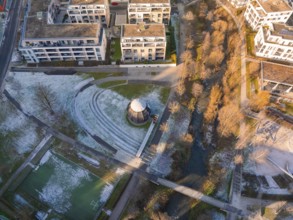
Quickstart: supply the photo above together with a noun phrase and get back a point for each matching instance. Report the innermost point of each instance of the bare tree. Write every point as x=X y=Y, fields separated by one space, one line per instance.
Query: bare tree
x=164 y=127
x=174 y=107
x=216 y=57
x=186 y=57
x=206 y=45
x=180 y=88
x=238 y=159
x=218 y=38
x=197 y=89
x=45 y=98
x=229 y=120
x=191 y=104
x=215 y=99
x=189 y=16
x=189 y=43
x=259 y=101
x=187 y=138
x=220 y=25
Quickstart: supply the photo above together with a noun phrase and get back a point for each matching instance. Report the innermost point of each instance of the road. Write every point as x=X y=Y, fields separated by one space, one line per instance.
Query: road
x=9 y=39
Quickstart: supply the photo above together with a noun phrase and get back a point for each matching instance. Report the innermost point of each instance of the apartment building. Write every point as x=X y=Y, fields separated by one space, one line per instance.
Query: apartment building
x=151 y=11
x=140 y=42
x=89 y=11
x=42 y=41
x=262 y=12
x=275 y=41
x=238 y=3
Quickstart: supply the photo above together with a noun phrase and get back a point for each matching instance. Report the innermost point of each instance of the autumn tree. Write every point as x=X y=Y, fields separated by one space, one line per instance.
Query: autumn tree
x=174 y=107
x=259 y=101
x=229 y=120
x=186 y=57
x=197 y=89
x=216 y=57
x=220 y=25
x=191 y=104
x=206 y=44
x=218 y=38
x=180 y=88
x=215 y=99
x=164 y=127
x=189 y=43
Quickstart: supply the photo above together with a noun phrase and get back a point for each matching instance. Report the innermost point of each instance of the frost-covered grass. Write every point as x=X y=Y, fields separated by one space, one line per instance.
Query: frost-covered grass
x=18 y=137
x=113 y=107
x=66 y=188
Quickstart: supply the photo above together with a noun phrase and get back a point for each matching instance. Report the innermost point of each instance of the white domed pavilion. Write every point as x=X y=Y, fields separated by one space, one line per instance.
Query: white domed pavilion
x=138 y=112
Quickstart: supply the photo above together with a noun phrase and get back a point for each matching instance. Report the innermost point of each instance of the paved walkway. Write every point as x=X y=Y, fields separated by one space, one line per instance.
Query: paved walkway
x=120 y=206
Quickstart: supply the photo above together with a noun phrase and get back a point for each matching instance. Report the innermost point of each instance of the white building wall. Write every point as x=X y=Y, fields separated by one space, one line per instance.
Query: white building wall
x=143 y=48
x=256 y=16
x=34 y=51
x=238 y=3
x=273 y=47
x=89 y=13
x=149 y=13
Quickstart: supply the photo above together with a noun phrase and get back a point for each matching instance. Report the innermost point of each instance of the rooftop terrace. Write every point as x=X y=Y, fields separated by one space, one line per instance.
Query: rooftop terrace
x=149 y=1
x=40 y=29
x=274 y=5
x=143 y=30
x=87 y=2
x=283 y=31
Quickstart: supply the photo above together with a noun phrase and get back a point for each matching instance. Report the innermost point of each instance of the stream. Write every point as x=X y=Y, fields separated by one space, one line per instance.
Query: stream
x=178 y=205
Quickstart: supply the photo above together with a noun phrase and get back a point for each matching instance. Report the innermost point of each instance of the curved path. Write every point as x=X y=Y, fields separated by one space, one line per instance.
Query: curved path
x=123 y=141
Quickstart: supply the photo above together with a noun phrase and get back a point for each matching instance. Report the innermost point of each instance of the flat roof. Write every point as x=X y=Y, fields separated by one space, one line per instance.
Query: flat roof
x=274 y=5
x=143 y=30
x=40 y=29
x=120 y=19
x=283 y=31
x=86 y=2
x=149 y=1
x=39 y=6
x=278 y=73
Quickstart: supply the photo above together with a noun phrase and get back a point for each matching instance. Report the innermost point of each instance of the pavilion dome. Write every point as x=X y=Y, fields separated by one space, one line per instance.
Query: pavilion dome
x=138 y=111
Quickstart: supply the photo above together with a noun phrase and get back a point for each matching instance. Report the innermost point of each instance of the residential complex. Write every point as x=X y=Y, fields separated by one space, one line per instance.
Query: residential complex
x=238 y=3
x=275 y=41
x=140 y=42
x=42 y=40
x=262 y=12
x=89 y=11
x=151 y=11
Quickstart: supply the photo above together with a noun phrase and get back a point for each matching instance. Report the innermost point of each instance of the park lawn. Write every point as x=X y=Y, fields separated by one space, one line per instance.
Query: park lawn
x=99 y=75
x=117 y=49
x=112 y=83
x=132 y=91
x=65 y=187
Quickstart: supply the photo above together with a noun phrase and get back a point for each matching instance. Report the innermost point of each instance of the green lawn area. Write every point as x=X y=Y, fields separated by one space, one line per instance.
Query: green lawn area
x=269 y=213
x=117 y=49
x=171 y=44
x=289 y=108
x=65 y=187
x=132 y=91
x=250 y=43
x=111 y=83
x=99 y=75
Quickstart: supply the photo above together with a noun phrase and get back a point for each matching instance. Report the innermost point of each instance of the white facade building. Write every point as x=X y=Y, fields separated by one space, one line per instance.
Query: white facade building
x=89 y=11
x=42 y=41
x=140 y=42
x=150 y=11
x=262 y=12
x=238 y=3
x=275 y=41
